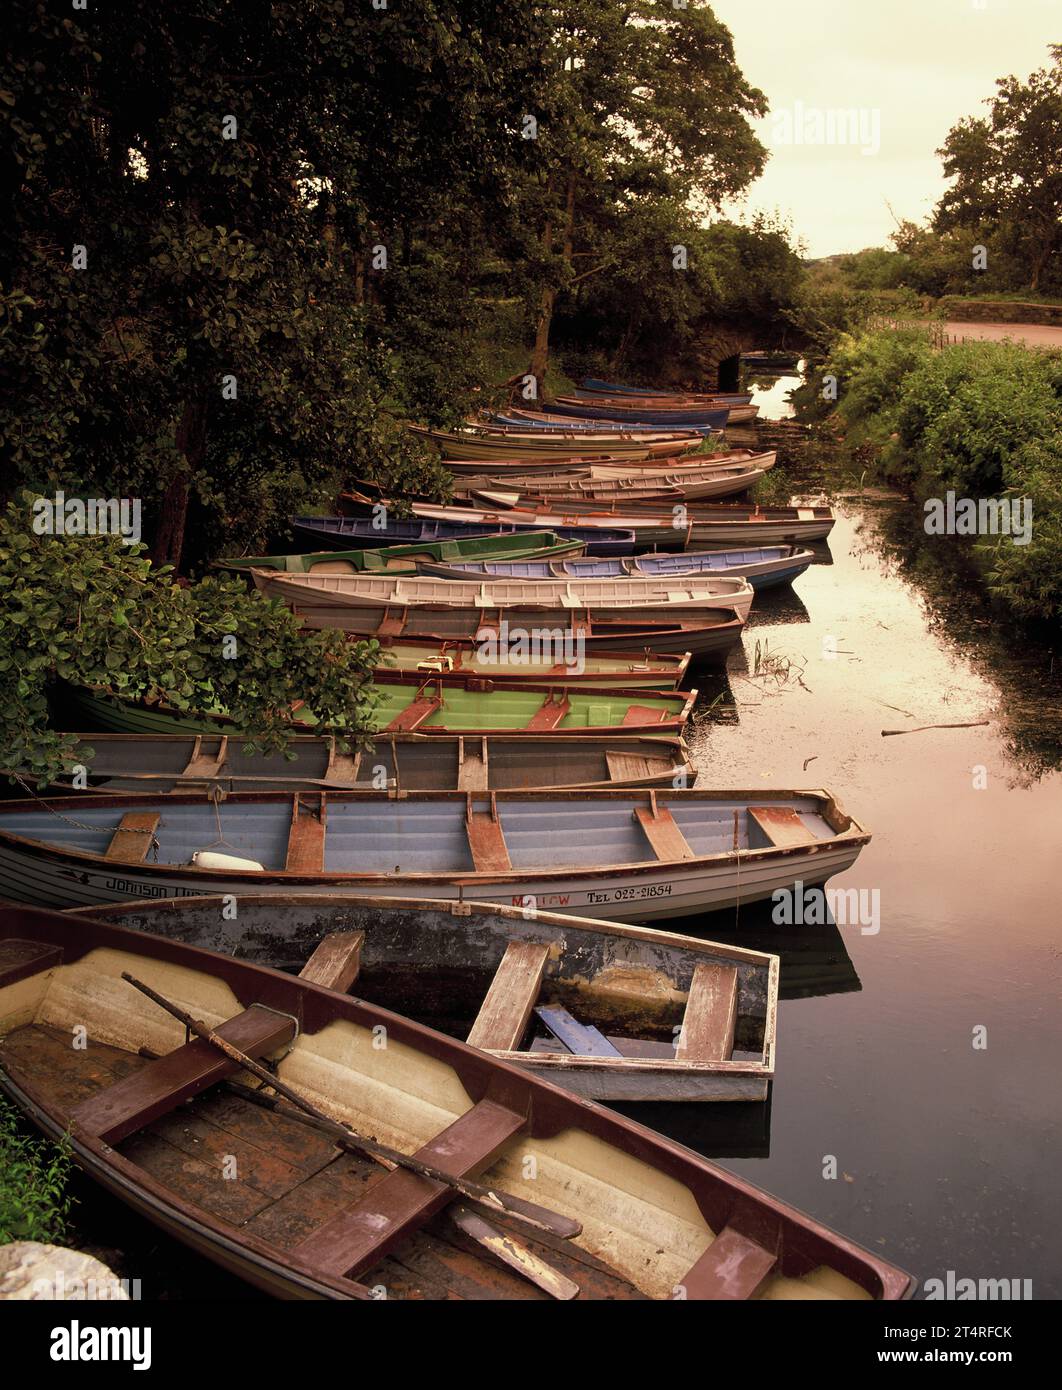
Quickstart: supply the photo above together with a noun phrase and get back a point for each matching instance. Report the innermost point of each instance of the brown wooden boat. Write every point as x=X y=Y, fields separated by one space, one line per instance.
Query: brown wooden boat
x=502 y=1185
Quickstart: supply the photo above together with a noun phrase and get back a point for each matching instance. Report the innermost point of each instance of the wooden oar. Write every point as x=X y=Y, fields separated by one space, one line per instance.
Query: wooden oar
x=540 y=1217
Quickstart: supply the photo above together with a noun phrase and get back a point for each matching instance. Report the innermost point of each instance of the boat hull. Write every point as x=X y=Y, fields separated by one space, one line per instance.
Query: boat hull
x=45 y=873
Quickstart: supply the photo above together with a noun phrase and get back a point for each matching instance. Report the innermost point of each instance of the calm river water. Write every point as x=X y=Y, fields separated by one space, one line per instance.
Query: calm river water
x=946 y=1153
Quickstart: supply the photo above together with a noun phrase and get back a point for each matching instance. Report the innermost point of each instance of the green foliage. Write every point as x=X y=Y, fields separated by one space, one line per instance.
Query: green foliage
x=978 y=419
x=1006 y=173
x=95 y=612
x=249 y=258
x=1029 y=577
x=34 y=1204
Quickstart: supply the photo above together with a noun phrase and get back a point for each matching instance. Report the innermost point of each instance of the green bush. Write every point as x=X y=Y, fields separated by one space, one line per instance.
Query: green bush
x=34 y=1204
x=979 y=419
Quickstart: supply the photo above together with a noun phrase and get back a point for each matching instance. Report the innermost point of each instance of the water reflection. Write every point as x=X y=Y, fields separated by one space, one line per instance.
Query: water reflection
x=1019 y=662
x=733 y=1130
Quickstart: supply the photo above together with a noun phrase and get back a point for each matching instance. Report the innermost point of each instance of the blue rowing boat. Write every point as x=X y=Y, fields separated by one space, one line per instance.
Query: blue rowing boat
x=764 y=566
x=591 y=386
x=675 y=418
x=359 y=533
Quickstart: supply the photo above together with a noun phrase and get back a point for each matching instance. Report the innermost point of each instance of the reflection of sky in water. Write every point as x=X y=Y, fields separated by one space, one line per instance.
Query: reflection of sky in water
x=772 y=394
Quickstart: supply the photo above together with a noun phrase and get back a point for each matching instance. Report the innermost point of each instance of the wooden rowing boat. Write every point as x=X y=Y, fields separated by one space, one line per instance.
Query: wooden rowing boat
x=410 y=762
x=423 y=1168
x=403 y=559
x=516 y=637
x=709 y=417
x=426 y=704
x=764 y=567
x=611 y=485
x=458 y=661
x=684 y=526
x=366 y=532
x=738 y=412
x=590 y=387
x=594 y=1006
x=749 y=458
x=470 y=443
x=643 y=855
x=707 y=592
x=552 y=424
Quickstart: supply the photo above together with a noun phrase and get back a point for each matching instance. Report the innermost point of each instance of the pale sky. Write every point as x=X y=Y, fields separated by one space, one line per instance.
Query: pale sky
x=910 y=68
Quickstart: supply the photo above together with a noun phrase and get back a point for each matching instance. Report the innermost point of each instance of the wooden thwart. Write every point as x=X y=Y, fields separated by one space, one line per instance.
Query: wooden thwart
x=342 y=767
x=550 y=714
x=486 y=843
x=473 y=766
x=707 y=1033
x=414 y=715
x=306 y=837
x=642 y=714
x=733 y=1267
x=336 y=961
x=665 y=837
x=206 y=763
x=132 y=839
x=782 y=826
x=361 y=1236
x=21 y=959
x=160 y=1087
x=507 y=1005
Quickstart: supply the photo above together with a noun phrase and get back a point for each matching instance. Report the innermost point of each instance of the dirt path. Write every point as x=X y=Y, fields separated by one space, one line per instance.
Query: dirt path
x=1031 y=334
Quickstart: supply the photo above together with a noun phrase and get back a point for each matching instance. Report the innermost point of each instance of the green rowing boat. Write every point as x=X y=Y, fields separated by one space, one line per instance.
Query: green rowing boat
x=413 y=704
x=403 y=559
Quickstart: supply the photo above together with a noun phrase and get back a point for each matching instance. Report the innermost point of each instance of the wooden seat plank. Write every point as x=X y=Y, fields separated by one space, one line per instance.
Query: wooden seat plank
x=306 y=837
x=707 y=1033
x=336 y=961
x=160 y=1086
x=663 y=834
x=21 y=959
x=358 y=1238
x=782 y=826
x=626 y=767
x=473 y=769
x=414 y=715
x=486 y=842
x=733 y=1267
x=642 y=714
x=208 y=762
x=131 y=842
x=342 y=768
x=581 y=1039
x=507 y=1005
x=549 y=714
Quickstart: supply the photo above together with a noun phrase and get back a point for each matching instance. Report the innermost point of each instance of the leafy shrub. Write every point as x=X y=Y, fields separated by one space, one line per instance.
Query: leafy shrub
x=34 y=1204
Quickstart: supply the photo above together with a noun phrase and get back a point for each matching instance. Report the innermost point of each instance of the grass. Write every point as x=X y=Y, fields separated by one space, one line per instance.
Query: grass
x=34 y=1204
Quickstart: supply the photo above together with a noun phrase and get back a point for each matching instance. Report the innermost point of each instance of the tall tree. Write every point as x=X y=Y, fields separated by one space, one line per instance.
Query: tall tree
x=640 y=103
x=198 y=198
x=1007 y=168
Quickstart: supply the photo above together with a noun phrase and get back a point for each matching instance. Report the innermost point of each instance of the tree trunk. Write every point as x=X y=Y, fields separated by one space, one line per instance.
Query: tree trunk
x=540 y=353
x=173 y=513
